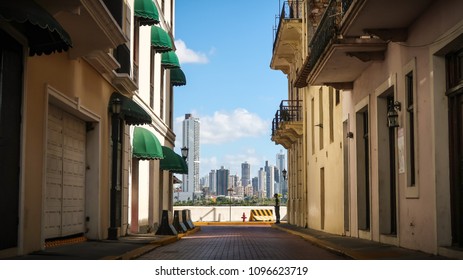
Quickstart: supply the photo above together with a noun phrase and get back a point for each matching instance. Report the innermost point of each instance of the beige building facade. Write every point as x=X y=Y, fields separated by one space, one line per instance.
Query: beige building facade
x=69 y=108
x=308 y=125
x=397 y=126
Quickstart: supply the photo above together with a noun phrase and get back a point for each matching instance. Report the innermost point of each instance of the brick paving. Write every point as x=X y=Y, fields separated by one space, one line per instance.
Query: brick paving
x=241 y=243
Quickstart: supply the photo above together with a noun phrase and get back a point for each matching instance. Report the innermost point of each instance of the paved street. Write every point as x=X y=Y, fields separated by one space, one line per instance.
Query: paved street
x=241 y=243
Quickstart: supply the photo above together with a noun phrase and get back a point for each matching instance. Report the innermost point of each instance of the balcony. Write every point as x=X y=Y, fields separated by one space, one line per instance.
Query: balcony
x=287 y=38
x=351 y=35
x=287 y=125
x=89 y=23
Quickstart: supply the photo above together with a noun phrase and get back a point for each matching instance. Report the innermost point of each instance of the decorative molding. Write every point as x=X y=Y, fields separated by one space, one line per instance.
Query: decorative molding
x=102 y=61
x=124 y=83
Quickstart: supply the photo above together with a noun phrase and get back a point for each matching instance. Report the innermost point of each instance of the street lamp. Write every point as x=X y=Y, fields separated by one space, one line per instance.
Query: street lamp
x=184 y=153
x=284 y=173
x=115 y=192
x=185 y=156
x=230 y=190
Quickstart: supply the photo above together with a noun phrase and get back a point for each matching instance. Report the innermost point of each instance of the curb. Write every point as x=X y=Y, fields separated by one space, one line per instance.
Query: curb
x=232 y=223
x=320 y=243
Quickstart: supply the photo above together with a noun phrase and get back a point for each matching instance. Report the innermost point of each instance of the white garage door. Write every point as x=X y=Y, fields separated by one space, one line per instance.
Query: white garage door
x=65 y=190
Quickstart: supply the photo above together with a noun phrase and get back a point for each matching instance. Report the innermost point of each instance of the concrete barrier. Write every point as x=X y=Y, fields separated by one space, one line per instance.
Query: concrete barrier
x=224 y=213
x=186 y=215
x=178 y=222
x=166 y=227
x=261 y=215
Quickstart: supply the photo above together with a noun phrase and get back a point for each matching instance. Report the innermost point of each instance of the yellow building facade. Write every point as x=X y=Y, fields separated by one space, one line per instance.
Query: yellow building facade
x=309 y=126
x=70 y=104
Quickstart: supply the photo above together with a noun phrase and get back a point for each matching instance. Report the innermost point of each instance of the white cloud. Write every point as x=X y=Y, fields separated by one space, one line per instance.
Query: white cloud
x=186 y=55
x=223 y=127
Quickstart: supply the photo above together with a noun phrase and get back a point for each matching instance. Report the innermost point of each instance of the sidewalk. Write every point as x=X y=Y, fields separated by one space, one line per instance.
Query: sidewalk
x=356 y=248
x=126 y=248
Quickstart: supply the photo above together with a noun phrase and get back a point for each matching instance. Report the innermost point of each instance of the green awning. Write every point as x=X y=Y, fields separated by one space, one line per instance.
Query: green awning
x=177 y=77
x=160 y=40
x=147 y=12
x=170 y=60
x=173 y=162
x=44 y=34
x=131 y=112
x=145 y=145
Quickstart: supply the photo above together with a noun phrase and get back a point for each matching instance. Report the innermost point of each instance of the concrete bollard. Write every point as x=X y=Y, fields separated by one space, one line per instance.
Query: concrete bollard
x=178 y=222
x=186 y=214
x=166 y=227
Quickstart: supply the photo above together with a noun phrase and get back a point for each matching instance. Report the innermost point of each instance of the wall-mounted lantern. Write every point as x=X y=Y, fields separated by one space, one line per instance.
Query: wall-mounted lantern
x=116 y=106
x=392 y=115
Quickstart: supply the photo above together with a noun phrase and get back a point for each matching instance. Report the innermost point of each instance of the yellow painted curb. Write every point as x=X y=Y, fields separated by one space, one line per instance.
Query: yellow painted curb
x=232 y=223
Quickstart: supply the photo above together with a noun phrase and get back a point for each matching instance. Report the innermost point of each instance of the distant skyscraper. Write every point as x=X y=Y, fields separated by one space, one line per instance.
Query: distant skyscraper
x=281 y=165
x=213 y=182
x=191 y=141
x=245 y=174
x=270 y=183
x=262 y=182
x=255 y=186
x=222 y=181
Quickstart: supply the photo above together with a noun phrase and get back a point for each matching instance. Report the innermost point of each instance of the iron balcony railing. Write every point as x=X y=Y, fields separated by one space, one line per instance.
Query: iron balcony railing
x=289 y=10
x=289 y=111
x=328 y=29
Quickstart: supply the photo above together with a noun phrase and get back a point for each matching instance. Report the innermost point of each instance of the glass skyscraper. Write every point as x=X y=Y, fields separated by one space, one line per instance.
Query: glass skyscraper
x=191 y=127
x=245 y=174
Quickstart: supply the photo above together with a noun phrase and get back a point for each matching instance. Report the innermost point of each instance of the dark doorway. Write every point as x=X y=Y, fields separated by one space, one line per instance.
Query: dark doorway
x=455 y=96
x=363 y=170
x=11 y=73
x=392 y=173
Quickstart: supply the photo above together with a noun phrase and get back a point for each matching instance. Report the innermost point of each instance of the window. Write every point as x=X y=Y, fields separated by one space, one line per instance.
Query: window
x=152 y=72
x=136 y=43
x=331 y=112
x=363 y=169
x=312 y=119
x=127 y=21
x=320 y=117
x=410 y=141
x=162 y=93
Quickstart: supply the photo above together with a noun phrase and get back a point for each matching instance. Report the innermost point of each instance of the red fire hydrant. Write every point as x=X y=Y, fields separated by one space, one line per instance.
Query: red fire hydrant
x=244 y=217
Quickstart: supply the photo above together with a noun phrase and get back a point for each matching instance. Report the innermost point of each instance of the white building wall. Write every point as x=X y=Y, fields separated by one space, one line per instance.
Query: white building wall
x=154 y=186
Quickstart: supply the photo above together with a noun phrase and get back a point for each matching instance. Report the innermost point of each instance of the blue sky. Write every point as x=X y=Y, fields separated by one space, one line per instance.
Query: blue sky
x=225 y=48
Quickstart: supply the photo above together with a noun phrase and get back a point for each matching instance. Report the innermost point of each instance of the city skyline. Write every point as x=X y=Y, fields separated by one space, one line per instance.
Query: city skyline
x=236 y=110
x=254 y=169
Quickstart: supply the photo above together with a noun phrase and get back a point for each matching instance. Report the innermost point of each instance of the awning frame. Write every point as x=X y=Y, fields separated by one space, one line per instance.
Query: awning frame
x=131 y=112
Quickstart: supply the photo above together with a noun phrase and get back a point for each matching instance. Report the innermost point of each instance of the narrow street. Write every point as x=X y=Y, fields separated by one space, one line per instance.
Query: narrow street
x=241 y=243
